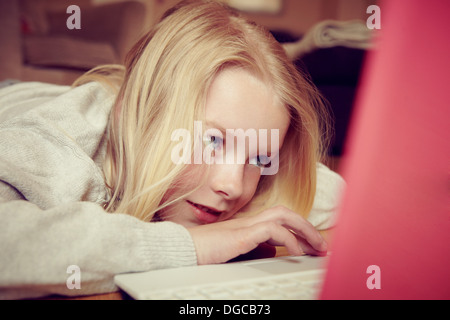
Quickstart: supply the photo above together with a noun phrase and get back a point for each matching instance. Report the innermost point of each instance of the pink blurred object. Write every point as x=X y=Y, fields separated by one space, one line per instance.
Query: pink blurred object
x=395 y=213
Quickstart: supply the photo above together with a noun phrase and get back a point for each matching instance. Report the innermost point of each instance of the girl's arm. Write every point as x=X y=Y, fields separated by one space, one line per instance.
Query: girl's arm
x=38 y=246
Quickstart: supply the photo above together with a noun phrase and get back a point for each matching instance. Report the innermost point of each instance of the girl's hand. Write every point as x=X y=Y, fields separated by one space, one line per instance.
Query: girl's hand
x=278 y=226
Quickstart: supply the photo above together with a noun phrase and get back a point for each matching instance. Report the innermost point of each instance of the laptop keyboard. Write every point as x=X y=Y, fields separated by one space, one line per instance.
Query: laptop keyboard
x=294 y=286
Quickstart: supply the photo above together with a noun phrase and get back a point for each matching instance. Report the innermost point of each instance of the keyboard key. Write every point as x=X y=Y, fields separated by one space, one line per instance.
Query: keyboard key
x=261 y=286
x=299 y=296
x=286 y=287
x=190 y=295
x=241 y=290
x=286 y=283
x=216 y=293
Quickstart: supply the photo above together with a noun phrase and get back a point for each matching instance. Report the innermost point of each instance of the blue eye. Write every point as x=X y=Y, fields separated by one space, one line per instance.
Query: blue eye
x=260 y=161
x=215 y=142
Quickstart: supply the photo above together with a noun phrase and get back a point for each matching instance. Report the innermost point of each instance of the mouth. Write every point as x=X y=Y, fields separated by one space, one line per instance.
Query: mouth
x=203 y=213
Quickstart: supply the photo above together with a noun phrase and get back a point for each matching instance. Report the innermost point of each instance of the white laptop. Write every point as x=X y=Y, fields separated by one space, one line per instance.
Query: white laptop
x=280 y=278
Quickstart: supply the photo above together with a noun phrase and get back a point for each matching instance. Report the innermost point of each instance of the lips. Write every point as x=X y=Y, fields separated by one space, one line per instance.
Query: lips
x=203 y=213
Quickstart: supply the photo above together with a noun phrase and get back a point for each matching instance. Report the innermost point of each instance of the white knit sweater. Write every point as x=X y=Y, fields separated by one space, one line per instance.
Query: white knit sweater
x=52 y=144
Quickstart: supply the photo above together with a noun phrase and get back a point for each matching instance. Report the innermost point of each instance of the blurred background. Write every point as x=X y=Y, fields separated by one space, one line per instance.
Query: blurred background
x=36 y=45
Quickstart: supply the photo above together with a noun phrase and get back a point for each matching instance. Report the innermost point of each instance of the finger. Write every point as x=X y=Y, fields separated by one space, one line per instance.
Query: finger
x=298 y=225
x=308 y=249
x=275 y=235
x=313 y=239
x=302 y=228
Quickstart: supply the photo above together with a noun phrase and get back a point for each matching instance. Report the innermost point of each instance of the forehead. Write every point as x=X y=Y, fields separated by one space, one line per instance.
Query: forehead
x=239 y=100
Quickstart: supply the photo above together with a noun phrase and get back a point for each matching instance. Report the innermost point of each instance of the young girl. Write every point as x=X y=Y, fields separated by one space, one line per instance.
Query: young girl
x=87 y=177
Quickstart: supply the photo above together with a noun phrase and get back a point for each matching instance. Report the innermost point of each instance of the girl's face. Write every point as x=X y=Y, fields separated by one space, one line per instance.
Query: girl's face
x=236 y=100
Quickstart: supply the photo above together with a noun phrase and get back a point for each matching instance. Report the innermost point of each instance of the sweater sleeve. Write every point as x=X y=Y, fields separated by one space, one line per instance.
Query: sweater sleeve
x=52 y=140
x=329 y=189
x=38 y=246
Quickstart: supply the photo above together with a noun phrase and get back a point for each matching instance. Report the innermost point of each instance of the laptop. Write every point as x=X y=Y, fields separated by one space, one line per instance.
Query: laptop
x=269 y=279
x=392 y=239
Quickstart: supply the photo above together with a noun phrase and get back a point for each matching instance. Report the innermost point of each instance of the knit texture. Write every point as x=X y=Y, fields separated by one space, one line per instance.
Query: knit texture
x=52 y=142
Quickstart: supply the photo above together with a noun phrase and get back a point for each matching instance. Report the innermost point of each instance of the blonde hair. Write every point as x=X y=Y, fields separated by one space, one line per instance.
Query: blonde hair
x=164 y=86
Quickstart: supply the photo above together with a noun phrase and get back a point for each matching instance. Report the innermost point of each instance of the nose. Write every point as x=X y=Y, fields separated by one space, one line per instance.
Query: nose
x=228 y=180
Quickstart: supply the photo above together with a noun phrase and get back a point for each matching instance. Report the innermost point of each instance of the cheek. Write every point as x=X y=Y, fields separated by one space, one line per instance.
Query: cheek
x=189 y=179
x=251 y=180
